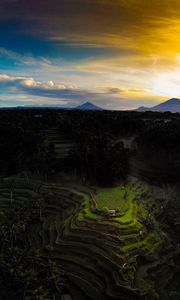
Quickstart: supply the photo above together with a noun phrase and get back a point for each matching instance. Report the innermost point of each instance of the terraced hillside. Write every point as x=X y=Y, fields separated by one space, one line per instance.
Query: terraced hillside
x=62 y=144
x=103 y=257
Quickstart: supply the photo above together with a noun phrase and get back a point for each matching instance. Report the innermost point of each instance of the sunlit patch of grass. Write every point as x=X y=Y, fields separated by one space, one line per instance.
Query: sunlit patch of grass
x=112 y=198
x=86 y=211
x=149 y=244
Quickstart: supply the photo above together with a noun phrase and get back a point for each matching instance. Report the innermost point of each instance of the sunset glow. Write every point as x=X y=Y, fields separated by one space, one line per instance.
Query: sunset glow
x=118 y=54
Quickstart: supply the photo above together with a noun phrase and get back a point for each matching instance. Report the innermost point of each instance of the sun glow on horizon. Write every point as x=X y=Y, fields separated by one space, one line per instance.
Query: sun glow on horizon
x=167 y=84
x=64 y=51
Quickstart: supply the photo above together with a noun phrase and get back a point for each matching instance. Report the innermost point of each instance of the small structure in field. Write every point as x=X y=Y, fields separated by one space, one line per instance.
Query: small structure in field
x=112 y=213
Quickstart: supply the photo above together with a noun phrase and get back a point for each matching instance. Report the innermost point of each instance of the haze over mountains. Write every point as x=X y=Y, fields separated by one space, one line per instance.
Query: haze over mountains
x=83 y=107
x=172 y=105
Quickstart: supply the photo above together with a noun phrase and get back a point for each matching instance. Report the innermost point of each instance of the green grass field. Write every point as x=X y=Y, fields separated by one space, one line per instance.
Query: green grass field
x=117 y=198
x=92 y=247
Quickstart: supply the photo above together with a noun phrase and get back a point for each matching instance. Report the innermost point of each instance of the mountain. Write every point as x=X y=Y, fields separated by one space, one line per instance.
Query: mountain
x=88 y=106
x=142 y=109
x=172 y=105
x=84 y=106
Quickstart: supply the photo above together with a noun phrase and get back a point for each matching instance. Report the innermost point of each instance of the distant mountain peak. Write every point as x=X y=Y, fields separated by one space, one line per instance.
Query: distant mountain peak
x=87 y=103
x=172 y=100
x=88 y=106
x=142 y=108
x=172 y=105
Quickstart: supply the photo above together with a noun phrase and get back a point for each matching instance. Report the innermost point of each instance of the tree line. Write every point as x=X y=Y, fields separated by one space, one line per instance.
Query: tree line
x=99 y=153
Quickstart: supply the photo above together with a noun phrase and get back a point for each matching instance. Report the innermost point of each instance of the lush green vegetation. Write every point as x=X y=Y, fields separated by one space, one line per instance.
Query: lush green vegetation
x=25 y=272
x=112 y=198
x=73 y=168
x=85 y=247
x=67 y=228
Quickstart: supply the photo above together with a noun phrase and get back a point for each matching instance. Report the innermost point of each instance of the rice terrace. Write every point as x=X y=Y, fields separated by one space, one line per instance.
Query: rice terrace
x=102 y=257
x=89 y=149
x=82 y=215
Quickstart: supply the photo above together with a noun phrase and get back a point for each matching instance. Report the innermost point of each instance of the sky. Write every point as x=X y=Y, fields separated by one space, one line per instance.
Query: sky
x=118 y=54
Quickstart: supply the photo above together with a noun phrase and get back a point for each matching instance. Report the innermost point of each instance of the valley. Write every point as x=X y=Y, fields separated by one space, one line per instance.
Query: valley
x=126 y=256
x=89 y=205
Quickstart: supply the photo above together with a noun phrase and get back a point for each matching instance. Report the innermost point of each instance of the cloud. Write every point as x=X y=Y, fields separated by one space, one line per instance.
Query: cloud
x=27 y=60
x=51 y=89
x=136 y=25
x=31 y=86
x=48 y=89
x=30 y=83
x=115 y=23
x=106 y=51
x=27 y=90
x=114 y=90
x=138 y=30
x=123 y=91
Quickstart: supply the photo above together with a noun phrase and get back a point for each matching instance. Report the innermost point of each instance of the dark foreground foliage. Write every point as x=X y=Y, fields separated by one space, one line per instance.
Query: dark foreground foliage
x=25 y=273
x=107 y=146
